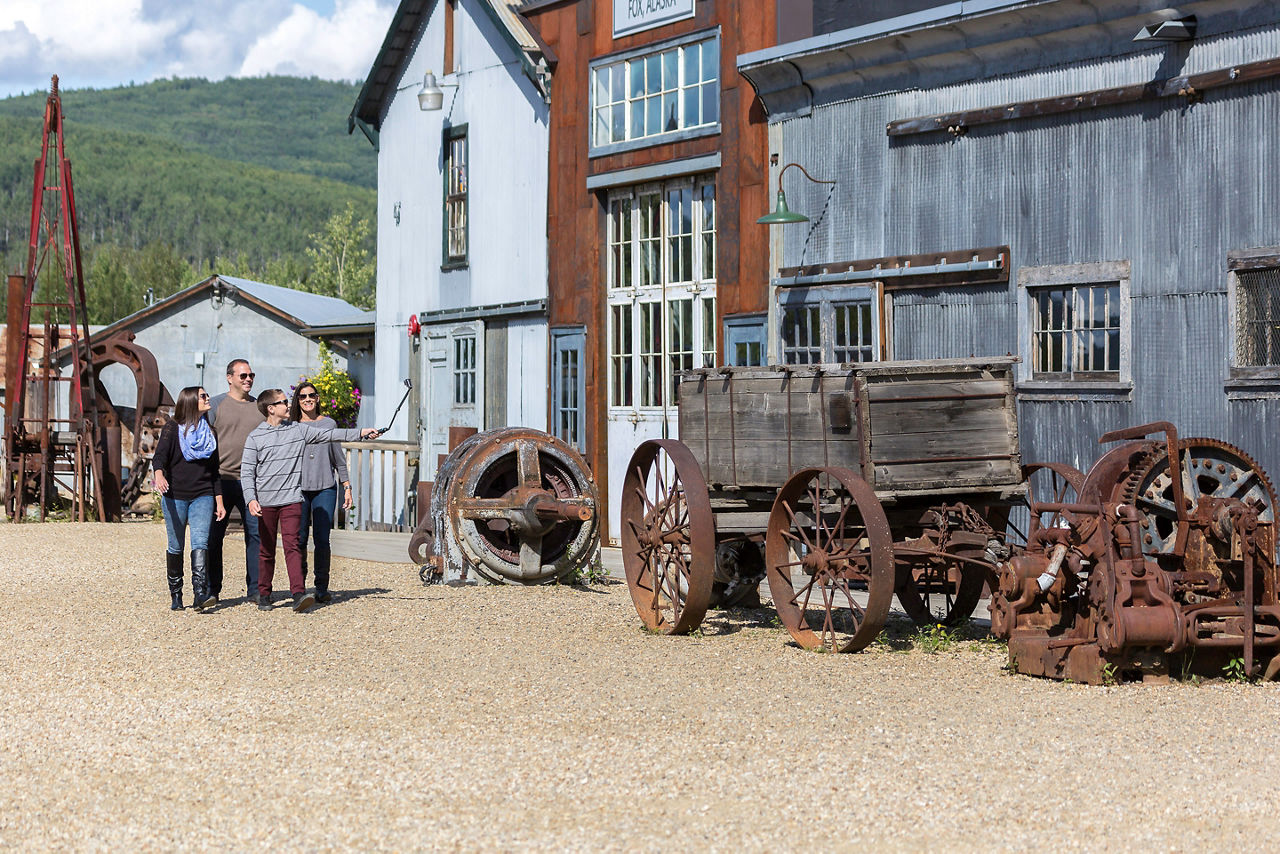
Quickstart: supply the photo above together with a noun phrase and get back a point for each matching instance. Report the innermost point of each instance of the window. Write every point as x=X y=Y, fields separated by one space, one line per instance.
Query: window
x=455 y=197
x=648 y=95
x=828 y=324
x=464 y=370
x=661 y=288
x=1075 y=322
x=1257 y=318
x=568 y=384
x=1076 y=330
x=744 y=340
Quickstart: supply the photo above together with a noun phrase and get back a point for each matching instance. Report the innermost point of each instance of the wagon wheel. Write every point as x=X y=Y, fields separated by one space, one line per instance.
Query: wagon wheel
x=827 y=535
x=939 y=592
x=1047 y=483
x=668 y=537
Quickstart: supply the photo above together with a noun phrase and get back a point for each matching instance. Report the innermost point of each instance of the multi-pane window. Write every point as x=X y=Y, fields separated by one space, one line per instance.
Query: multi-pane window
x=568 y=386
x=744 y=340
x=661 y=92
x=661 y=284
x=464 y=370
x=455 y=196
x=827 y=325
x=1075 y=330
x=1257 y=318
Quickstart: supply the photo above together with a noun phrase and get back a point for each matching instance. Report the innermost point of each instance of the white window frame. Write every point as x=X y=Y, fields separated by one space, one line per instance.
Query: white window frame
x=611 y=81
x=1033 y=280
x=464 y=376
x=642 y=372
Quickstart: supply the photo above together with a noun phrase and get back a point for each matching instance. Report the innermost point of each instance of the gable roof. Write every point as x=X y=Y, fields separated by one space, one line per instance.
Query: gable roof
x=304 y=311
x=407 y=24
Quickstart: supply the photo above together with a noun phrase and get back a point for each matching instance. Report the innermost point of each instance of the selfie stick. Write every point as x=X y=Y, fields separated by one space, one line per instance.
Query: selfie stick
x=408 y=387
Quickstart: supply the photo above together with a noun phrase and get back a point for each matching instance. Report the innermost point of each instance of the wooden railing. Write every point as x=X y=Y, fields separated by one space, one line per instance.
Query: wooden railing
x=384 y=485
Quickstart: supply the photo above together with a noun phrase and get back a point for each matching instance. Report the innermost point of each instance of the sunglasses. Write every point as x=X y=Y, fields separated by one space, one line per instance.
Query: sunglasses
x=246 y=376
x=309 y=396
x=204 y=395
x=274 y=402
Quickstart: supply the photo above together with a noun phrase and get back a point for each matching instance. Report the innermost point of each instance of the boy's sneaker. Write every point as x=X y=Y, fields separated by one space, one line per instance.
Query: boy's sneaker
x=324 y=597
x=303 y=601
x=264 y=603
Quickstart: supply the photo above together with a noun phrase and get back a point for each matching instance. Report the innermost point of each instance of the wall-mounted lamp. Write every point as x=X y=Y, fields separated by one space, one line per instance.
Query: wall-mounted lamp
x=1173 y=26
x=431 y=96
x=782 y=214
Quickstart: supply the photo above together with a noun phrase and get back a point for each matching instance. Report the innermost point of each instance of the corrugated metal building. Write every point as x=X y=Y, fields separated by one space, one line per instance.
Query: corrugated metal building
x=1028 y=178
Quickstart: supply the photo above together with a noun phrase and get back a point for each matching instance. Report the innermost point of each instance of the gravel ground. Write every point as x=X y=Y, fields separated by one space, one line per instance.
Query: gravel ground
x=404 y=717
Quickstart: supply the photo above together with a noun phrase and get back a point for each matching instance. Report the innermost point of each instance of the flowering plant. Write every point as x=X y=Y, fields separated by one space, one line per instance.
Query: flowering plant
x=338 y=396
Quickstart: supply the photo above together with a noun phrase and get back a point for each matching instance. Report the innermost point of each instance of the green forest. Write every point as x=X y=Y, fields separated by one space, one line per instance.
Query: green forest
x=178 y=179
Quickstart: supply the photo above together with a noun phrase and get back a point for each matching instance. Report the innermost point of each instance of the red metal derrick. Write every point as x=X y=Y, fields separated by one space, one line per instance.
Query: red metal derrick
x=52 y=420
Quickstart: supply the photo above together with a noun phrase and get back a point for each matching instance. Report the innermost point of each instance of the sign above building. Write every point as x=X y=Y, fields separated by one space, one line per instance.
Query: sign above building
x=633 y=16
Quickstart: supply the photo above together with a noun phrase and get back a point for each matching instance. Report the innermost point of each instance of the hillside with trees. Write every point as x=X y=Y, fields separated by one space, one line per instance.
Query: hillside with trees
x=180 y=178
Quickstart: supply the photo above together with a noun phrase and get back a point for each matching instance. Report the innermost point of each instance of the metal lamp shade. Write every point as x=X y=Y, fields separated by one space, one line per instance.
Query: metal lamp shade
x=781 y=213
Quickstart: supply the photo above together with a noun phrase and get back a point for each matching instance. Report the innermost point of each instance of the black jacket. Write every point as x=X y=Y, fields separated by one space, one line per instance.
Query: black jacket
x=188 y=479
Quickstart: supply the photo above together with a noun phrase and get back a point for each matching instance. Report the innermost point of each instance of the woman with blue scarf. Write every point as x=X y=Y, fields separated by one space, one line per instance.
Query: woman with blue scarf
x=186 y=475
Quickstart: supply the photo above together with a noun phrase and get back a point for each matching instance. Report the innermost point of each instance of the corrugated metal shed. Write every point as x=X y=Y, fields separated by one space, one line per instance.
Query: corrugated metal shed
x=1170 y=185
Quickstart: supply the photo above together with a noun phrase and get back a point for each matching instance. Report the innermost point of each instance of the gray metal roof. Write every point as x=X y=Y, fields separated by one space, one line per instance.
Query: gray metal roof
x=310 y=309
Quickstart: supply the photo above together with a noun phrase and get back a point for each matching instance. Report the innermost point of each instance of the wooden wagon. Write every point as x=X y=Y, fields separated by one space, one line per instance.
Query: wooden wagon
x=861 y=480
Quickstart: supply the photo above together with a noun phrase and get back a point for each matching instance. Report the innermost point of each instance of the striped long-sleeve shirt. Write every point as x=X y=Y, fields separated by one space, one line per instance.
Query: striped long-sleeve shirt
x=271 y=469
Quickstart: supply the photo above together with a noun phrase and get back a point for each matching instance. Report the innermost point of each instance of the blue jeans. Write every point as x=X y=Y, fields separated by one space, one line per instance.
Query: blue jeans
x=233 y=496
x=318 y=508
x=178 y=514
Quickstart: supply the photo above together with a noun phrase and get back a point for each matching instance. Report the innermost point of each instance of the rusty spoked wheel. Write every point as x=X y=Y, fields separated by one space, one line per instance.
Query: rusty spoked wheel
x=1047 y=483
x=828 y=540
x=668 y=537
x=939 y=592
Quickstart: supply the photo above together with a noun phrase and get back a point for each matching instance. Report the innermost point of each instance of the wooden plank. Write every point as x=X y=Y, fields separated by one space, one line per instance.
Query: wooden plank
x=882 y=391
x=956 y=475
x=937 y=415
x=946 y=444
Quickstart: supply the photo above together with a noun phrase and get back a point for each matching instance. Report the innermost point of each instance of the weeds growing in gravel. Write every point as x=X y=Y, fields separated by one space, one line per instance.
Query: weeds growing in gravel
x=1233 y=671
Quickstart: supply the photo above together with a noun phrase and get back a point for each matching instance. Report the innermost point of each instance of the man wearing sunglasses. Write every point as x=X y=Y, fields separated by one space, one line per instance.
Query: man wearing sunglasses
x=234 y=416
x=271 y=474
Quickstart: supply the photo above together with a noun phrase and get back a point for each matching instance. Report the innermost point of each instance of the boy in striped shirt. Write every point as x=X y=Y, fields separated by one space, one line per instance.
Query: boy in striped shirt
x=271 y=476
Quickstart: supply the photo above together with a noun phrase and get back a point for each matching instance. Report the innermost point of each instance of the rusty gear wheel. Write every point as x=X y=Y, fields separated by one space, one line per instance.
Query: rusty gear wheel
x=1212 y=469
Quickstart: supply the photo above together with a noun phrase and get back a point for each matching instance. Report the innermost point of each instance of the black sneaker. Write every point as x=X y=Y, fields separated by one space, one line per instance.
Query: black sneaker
x=303 y=601
x=324 y=598
x=264 y=603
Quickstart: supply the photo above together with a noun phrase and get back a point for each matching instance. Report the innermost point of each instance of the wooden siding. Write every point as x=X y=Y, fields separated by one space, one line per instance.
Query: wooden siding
x=580 y=32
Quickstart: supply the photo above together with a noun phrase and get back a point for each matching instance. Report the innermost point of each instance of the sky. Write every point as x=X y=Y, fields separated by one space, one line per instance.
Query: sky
x=98 y=44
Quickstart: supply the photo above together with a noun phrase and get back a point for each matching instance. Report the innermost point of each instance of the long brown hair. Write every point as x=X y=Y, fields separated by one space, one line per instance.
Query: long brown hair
x=187 y=410
x=295 y=407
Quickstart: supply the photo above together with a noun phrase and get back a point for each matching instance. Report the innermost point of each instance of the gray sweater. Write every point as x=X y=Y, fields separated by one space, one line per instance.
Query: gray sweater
x=319 y=462
x=271 y=469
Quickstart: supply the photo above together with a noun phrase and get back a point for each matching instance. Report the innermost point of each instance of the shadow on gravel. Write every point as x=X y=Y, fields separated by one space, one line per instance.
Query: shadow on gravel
x=733 y=620
x=285 y=600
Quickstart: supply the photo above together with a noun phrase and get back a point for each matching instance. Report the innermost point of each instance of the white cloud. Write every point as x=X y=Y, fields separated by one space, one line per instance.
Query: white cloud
x=340 y=47
x=101 y=43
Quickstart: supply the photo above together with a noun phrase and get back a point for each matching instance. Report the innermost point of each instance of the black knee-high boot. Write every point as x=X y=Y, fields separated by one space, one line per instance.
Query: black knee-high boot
x=322 y=574
x=173 y=568
x=200 y=580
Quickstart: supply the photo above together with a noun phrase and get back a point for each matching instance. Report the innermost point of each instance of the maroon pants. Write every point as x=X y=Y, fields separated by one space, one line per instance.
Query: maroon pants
x=287 y=521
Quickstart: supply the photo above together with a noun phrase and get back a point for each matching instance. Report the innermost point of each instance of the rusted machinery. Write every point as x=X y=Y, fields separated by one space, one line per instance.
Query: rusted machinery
x=516 y=505
x=870 y=481
x=151 y=410
x=1160 y=560
x=53 y=439
x=826 y=464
